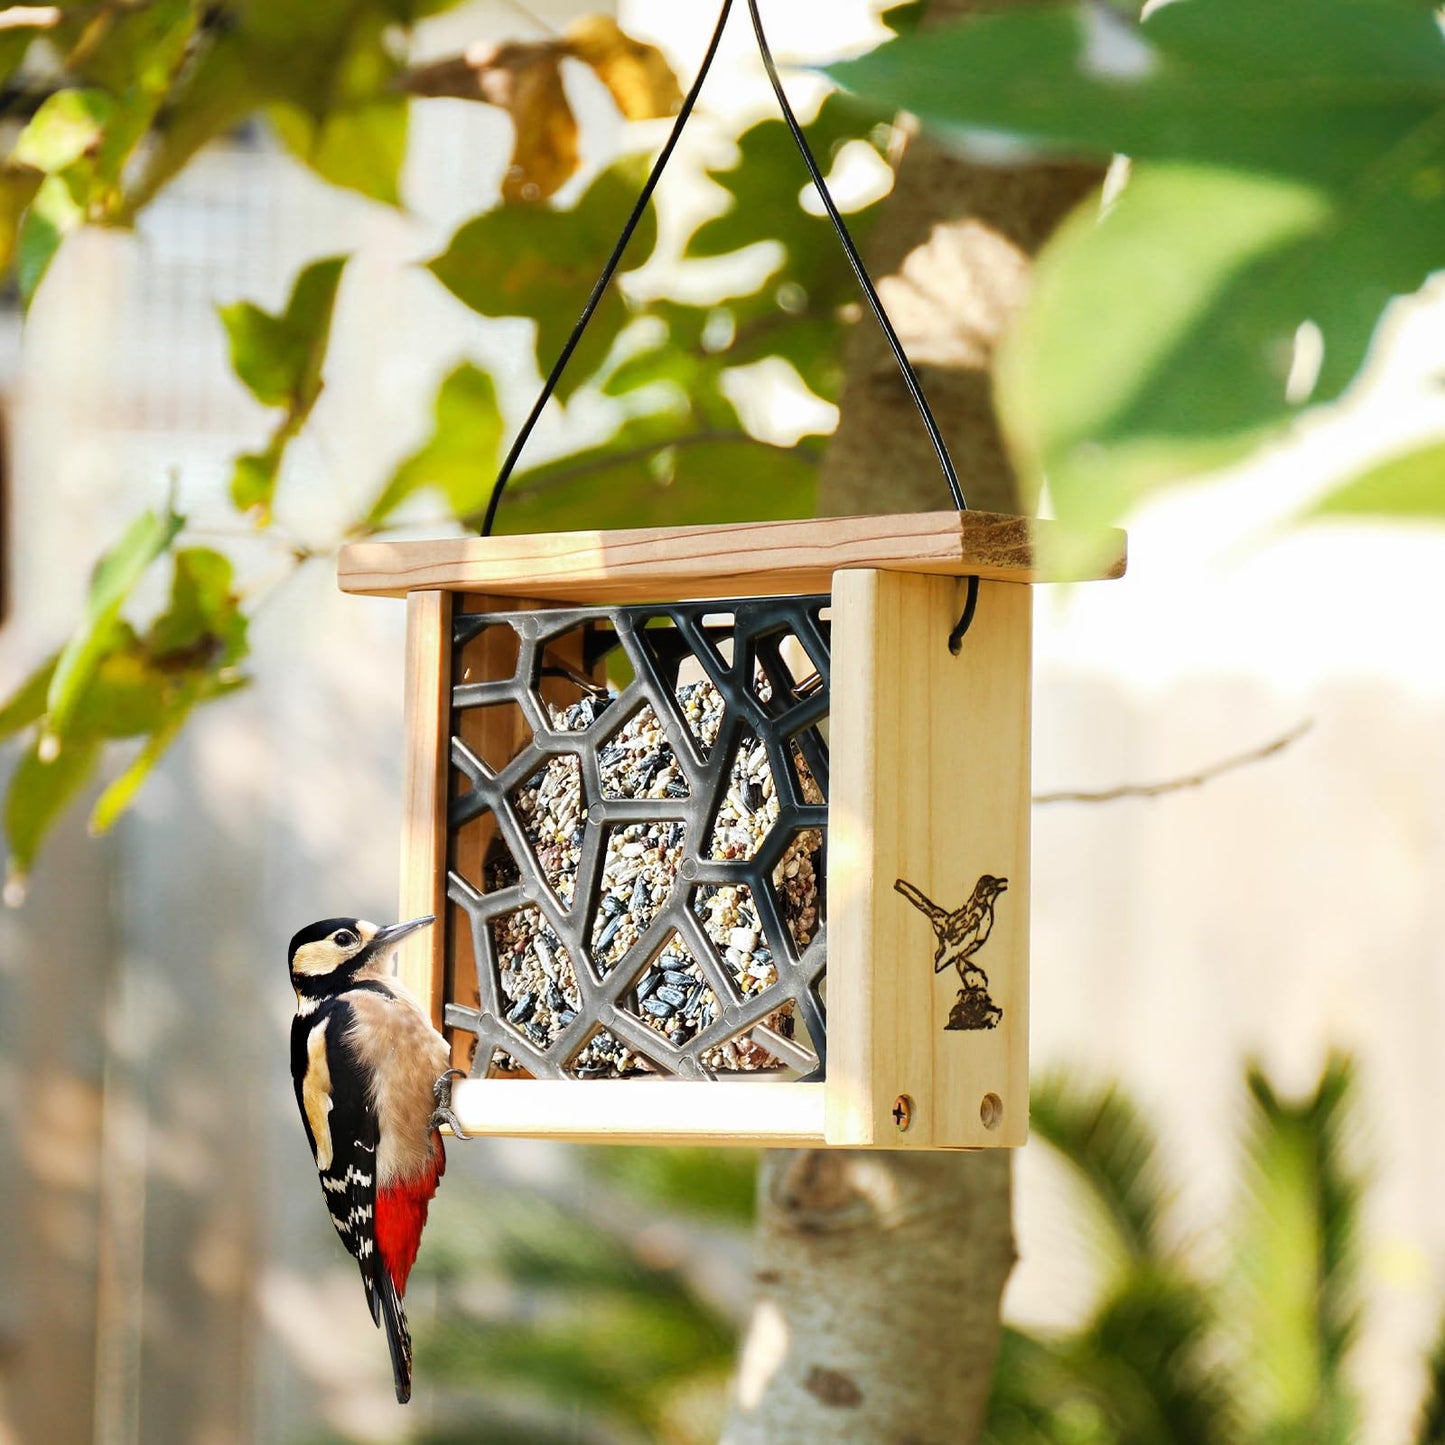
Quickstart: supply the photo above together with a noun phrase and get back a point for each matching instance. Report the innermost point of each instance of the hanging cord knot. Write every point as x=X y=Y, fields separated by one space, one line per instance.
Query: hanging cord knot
x=860 y=271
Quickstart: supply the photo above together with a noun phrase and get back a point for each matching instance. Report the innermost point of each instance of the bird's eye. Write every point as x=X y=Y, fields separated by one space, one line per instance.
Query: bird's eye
x=344 y=939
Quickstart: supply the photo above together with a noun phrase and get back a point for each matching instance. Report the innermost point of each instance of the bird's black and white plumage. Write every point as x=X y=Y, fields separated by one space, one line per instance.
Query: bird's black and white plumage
x=365 y=1060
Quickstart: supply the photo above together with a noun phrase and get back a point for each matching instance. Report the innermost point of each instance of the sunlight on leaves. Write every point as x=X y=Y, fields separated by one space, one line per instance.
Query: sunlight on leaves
x=541 y=263
x=116 y=576
x=279 y=359
x=1407 y=486
x=461 y=459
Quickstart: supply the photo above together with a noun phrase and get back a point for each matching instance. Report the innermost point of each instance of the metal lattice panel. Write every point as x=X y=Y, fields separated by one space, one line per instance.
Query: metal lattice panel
x=639 y=873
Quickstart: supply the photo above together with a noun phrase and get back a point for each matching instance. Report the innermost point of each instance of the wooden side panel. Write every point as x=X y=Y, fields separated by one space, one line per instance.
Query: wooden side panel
x=927 y=961
x=423 y=833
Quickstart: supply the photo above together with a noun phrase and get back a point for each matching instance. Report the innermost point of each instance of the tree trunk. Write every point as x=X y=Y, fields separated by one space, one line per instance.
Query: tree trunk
x=880 y=1274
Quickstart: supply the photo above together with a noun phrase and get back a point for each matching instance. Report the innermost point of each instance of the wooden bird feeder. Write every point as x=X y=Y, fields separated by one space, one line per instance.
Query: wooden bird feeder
x=768 y=886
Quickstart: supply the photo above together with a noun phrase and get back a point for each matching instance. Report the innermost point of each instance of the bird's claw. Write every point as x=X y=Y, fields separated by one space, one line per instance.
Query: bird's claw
x=444 y=1113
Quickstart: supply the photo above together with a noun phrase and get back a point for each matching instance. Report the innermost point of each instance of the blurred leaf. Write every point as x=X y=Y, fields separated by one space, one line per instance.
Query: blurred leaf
x=1145 y=1359
x=67 y=126
x=38 y=793
x=1410 y=485
x=1288 y=182
x=1430 y=1423
x=54 y=211
x=126 y=696
x=202 y=627
x=637 y=74
x=524 y=78
x=115 y=579
x=1297 y=1307
x=1102 y=1134
x=699 y=1183
x=1222 y=83
x=279 y=358
x=135 y=53
x=461 y=459
x=121 y=792
x=255 y=475
x=17 y=190
x=653 y=474
x=765 y=187
x=324 y=71
x=26 y=705
x=361 y=147
x=541 y=263
x=1154 y=346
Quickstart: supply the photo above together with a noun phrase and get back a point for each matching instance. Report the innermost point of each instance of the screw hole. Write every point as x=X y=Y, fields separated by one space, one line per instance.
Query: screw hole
x=990 y=1110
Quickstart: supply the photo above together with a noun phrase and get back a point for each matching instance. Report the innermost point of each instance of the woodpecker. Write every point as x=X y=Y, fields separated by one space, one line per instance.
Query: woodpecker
x=369 y=1071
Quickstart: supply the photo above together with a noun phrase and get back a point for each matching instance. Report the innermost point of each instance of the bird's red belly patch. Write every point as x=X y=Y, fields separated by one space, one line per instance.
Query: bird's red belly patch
x=400 y=1217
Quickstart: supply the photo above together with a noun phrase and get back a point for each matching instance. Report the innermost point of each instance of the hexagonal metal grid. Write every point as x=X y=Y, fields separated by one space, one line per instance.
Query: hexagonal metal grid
x=739 y=647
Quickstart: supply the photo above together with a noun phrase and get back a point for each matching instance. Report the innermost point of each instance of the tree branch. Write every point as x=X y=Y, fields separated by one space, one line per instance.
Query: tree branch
x=1190 y=780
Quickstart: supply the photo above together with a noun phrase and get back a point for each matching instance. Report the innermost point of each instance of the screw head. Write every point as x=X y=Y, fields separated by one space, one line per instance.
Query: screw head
x=903 y=1112
x=990 y=1111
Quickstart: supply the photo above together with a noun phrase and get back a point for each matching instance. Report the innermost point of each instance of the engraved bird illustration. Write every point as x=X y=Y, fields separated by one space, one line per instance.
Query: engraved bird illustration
x=963 y=931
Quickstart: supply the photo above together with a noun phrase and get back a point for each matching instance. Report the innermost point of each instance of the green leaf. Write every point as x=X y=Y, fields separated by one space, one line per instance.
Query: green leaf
x=1104 y=1137
x=1316 y=89
x=127 y=696
x=717 y=1184
x=1430 y=1421
x=38 y=793
x=653 y=473
x=1408 y=486
x=68 y=125
x=323 y=71
x=55 y=210
x=361 y=148
x=1288 y=182
x=26 y=705
x=1132 y=362
x=202 y=624
x=254 y=478
x=765 y=187
x=115 y=579
x=1296 y=1231
x=541 y=263
x=121 y=792
x=279 y=356
x=461 y=459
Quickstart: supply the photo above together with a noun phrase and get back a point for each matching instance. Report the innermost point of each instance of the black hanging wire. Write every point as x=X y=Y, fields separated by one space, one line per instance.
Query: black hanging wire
x=860 y=271
x=608 y=271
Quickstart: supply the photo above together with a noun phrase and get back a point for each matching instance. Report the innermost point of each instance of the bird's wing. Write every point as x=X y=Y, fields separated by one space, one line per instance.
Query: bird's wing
x=341 y=1127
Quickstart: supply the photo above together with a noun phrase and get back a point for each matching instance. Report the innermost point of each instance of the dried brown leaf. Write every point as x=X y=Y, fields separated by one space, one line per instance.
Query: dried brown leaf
x=637 y=74
x=524 y=78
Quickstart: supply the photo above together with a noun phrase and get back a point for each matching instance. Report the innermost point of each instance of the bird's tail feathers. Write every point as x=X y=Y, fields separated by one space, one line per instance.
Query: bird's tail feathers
x=372 y=1303
x=920 y=900
x=398 y=1337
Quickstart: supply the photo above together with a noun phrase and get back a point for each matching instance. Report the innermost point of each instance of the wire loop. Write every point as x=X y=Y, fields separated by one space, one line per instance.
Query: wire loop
x=855 y=261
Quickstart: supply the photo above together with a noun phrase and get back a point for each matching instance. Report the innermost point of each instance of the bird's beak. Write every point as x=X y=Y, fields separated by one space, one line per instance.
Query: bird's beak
x=1003 y=885
x=393 y=933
